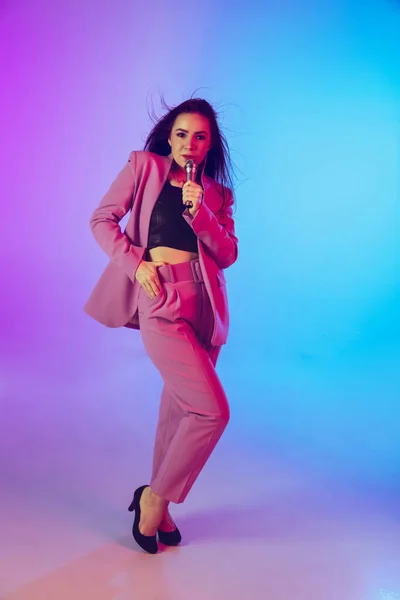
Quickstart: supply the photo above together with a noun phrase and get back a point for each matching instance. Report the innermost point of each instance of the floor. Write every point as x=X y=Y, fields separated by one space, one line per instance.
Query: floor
x=256 y=525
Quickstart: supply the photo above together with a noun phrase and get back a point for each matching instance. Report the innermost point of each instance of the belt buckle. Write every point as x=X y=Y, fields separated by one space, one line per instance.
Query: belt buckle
x=171 y=274
x=196 y=270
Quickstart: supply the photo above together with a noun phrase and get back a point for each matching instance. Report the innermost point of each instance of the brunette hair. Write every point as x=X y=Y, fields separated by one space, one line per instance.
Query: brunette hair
x=219 y=164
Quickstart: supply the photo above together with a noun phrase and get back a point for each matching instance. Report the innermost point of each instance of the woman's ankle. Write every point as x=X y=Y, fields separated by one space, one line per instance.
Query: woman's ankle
x=155 y=498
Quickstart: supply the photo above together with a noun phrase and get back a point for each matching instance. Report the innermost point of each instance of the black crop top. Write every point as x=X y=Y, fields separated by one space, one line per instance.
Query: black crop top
x=167 y=225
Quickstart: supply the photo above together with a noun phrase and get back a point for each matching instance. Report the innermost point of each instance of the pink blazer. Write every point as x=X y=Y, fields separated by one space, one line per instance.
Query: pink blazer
x=113 y=301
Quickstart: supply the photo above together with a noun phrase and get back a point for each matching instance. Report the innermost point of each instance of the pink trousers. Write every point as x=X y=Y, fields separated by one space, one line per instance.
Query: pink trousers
x=176 y=328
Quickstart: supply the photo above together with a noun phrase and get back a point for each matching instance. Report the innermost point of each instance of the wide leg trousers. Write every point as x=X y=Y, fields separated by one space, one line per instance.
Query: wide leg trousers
x=176 y=328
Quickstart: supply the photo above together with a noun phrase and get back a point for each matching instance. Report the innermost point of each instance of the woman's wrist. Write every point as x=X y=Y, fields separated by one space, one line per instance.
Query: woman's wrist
x=193 y=214
x=197 y=207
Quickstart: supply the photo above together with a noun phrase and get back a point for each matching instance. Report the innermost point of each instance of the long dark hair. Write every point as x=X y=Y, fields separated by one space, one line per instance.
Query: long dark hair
x=219 y=164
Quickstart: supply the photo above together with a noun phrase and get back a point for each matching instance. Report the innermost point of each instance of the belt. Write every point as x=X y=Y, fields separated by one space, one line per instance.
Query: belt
x=187 y=271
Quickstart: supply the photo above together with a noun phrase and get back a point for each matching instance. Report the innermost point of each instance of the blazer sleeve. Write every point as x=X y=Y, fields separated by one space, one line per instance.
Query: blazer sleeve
x=104 y=221
x=216 y=231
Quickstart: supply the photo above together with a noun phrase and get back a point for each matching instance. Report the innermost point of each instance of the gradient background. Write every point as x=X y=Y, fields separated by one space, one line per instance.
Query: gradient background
x=309 y=94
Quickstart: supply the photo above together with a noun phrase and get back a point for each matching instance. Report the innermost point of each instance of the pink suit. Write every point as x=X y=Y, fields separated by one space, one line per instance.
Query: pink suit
x=184 y=326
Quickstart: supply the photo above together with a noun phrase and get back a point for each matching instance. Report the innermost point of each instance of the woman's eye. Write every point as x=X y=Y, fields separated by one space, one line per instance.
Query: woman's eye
x=201 y=137
x=180 y=134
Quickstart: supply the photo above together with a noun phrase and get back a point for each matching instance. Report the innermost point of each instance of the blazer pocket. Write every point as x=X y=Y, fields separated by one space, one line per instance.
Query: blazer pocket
x=221 y=278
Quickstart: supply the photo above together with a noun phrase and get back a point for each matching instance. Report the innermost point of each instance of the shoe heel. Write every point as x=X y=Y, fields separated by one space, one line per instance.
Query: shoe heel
x=136 y=498
x=147 y=542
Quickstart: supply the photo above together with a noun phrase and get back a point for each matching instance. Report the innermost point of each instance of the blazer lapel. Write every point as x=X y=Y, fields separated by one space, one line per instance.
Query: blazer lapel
x=153 y=183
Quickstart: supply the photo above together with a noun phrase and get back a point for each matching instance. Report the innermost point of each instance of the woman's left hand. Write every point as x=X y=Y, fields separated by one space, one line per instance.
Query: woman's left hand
x=192 y=192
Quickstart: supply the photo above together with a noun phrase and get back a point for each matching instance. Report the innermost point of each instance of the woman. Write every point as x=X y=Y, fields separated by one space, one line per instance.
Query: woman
x=165 y=277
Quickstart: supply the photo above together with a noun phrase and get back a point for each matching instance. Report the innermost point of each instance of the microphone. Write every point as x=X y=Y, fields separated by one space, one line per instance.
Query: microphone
x=191 y=170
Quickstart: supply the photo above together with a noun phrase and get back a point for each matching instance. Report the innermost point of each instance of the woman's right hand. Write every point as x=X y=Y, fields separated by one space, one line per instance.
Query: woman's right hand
x=147 y=276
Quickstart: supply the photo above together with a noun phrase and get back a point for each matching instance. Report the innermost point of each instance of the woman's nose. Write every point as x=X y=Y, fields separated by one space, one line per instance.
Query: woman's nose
x=191 y=144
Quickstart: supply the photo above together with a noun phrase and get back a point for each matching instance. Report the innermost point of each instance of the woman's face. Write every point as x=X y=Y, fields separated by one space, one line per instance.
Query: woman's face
x=190 y=138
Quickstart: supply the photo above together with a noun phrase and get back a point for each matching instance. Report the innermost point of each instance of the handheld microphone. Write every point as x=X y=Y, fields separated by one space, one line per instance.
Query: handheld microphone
x=191 y=170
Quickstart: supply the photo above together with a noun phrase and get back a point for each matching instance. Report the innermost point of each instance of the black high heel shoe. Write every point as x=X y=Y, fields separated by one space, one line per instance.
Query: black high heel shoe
x=170 y=538
x=147 y=542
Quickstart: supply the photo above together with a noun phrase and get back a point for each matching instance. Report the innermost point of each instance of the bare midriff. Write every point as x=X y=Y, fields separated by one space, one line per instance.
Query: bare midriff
x=171 y=256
